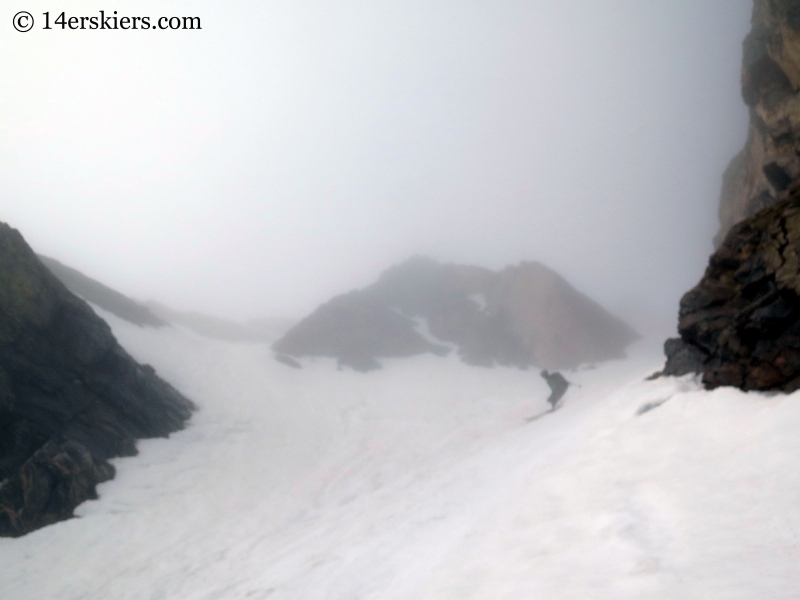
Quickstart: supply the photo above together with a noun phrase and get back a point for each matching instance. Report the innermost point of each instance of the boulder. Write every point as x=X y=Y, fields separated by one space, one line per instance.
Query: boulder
x=70 y=396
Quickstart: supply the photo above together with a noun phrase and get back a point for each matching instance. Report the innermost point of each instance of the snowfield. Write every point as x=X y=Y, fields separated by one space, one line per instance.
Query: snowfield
x=424 y=481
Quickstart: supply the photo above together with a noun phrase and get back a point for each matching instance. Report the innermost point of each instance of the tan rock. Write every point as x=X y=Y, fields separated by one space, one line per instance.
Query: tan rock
x=768 y=167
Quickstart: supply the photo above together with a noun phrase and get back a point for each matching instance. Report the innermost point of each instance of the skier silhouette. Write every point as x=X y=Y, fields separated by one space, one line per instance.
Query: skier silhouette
x=558 y=387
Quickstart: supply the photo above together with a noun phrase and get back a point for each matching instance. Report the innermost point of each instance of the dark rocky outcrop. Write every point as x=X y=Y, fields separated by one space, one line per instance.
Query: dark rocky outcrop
x=740 y=325
x=768 y=166
x=521 y=316
x=70 y=396
x=102 y=295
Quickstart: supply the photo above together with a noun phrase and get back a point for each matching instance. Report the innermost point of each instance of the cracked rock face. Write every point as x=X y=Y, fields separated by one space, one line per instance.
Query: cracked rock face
x=740 y=325
x=70 y=396
x=768 y=167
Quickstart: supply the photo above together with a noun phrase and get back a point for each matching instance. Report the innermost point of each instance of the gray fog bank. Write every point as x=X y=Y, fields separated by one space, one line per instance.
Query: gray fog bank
x=290 y=151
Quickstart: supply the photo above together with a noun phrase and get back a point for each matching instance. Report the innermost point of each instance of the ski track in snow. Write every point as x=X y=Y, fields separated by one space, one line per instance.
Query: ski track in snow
x=423 y=481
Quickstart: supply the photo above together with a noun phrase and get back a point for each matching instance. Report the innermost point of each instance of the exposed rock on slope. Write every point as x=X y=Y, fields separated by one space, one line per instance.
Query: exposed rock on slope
x=768 y=166
x=70 y=396
x=102 y=295
x=521 y=316
x=740 y=325
x=154 y=314
x=356 y=328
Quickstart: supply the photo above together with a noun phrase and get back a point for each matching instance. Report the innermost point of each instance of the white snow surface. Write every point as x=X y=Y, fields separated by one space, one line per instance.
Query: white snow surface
x=479 y=300
x=424 y=481
x=422 y=327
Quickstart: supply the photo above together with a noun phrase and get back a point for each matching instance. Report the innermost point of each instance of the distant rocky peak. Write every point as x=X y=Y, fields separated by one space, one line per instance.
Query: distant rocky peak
x=521 y=316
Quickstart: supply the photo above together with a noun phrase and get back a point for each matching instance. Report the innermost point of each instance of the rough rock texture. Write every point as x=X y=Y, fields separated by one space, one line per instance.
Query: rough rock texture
x=740 y=325
x=70 y=396
x=768 y=167
x=521 y=316
x=102 y=295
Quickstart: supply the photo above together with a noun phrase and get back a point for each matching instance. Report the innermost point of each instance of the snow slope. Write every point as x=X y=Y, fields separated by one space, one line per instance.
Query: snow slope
x=424 y=481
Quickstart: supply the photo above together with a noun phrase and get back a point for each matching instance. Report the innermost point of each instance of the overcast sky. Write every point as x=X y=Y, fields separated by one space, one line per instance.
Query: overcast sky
x=290 y=151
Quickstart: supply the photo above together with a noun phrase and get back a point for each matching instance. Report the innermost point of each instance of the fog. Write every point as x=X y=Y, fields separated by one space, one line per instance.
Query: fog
x=290 y=151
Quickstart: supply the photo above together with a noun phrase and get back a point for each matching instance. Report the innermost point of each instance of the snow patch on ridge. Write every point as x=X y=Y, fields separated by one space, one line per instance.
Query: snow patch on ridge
x=479 y=300
x=422 y=328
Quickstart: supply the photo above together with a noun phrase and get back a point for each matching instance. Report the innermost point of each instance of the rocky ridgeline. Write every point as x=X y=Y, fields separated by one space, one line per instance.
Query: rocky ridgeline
x=768 y=167
x=70 y=396
x=103 y=296
x=155 y=314
x=740 y=325
x=521 y=316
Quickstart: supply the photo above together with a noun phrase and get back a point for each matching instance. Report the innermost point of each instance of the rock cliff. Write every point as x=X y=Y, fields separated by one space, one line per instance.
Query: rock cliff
x=740 y=325
x=521 y=316
x=768 y=167
x=70 y=396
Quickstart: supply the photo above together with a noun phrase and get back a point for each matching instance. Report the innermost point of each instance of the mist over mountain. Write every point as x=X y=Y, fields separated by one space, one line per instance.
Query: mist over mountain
x=300 y=148
x=264 y=329
x=103 y=296
x=521 y=316
x=198 y=446
x=155 y=314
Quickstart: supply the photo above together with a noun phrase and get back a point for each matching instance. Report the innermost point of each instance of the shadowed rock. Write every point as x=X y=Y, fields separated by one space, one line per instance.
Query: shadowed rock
x=683 y=358
x=70 y=396
x=740 y=325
